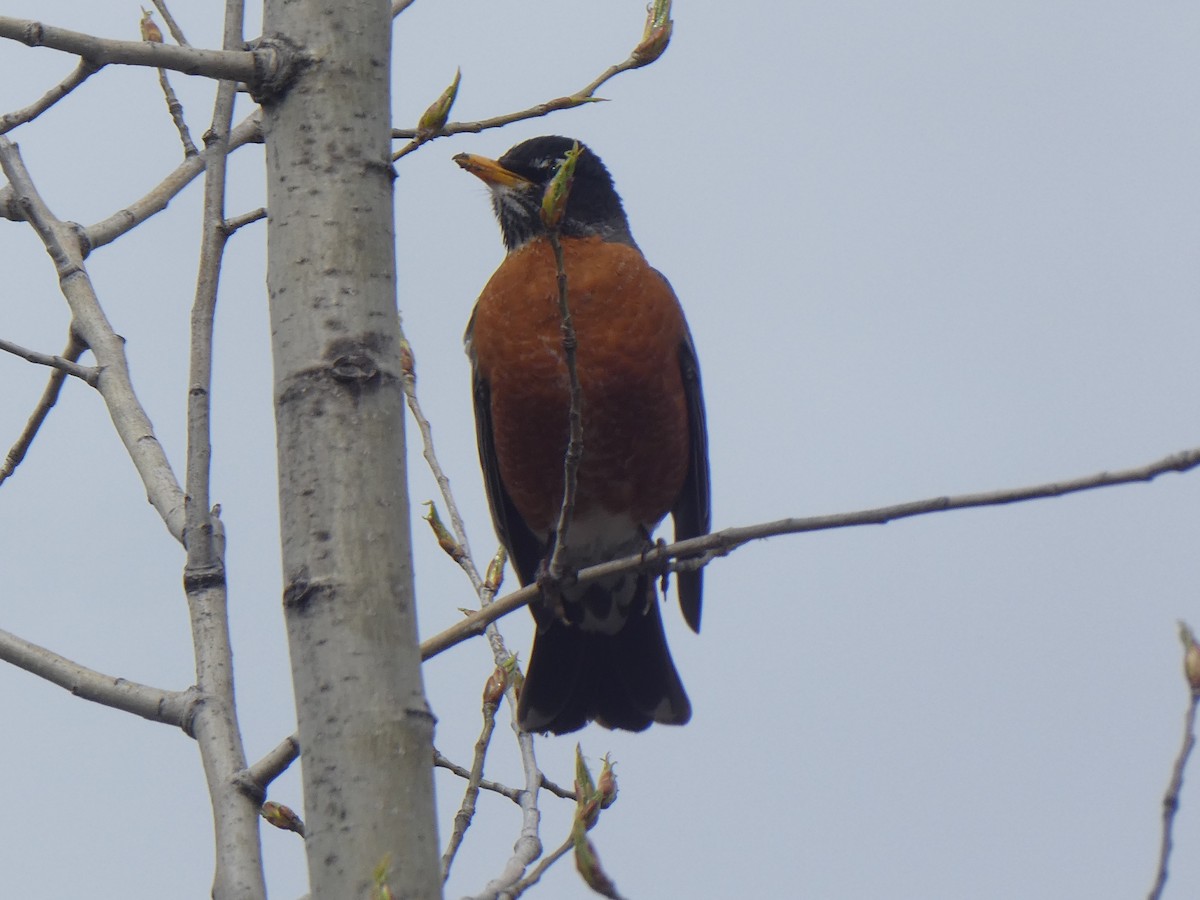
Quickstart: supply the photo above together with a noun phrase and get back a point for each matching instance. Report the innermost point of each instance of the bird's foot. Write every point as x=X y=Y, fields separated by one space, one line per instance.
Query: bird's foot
x=551 y=586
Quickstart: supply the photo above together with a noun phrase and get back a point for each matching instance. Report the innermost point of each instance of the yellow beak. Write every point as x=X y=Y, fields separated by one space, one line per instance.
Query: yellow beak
x=489 y=171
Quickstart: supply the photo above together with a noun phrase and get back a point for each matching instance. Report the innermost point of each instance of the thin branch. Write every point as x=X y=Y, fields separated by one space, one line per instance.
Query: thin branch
x=89 y=374
x=442 y=762
x=58 y=377
x=513 y=794
x=241 y=221
x=585 y=95
x=466 y=812
x=172 y=25
x=239 y=869
x=409 y=383
x=257 y=778
x=249 y=66
x=81 y=73
x=1171 y=798
x=175 y=108
x=528 y=845
x=62 y=242
x=558 y=561
x=248 y=131
x=157 y=705
x=701 y=550
x=1191 y=671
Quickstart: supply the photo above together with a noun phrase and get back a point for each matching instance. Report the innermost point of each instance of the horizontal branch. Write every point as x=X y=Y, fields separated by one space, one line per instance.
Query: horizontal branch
x=586 y=94
x=696 y=552
x=231 y=65
x=155 y=704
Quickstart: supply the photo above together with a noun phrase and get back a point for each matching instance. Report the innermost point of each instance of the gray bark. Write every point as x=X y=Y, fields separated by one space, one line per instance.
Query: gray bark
x=365 y=728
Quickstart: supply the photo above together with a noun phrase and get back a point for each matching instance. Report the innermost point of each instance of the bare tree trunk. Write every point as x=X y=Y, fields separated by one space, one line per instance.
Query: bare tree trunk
x=365 y=728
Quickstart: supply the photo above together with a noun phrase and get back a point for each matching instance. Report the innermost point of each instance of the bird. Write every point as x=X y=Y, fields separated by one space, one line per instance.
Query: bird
x=599 y=651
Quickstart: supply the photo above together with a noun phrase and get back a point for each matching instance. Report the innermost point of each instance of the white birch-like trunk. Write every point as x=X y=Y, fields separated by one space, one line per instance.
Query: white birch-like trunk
x=365 y=728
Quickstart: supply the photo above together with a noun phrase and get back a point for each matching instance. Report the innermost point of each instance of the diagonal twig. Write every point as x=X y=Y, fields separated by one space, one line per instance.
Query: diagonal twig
x=78 y=76
x=466 y=811
x=62 y=242
x=172 y=25
x=58 y=377
x=175 y=108
x=1191 y=671
x=248 y=131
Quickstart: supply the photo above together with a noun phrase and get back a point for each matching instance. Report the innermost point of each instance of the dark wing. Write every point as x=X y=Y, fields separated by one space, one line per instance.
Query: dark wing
x=525 y=551
x=692 y=511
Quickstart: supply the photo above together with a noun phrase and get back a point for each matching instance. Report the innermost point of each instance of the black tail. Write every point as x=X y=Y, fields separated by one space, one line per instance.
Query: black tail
x=624 y=680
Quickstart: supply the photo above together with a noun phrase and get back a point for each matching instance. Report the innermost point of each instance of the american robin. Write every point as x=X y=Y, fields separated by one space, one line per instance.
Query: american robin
x=600 y=652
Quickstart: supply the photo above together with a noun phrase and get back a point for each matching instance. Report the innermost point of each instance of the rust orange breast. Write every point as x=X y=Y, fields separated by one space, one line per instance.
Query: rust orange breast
x=630 y=329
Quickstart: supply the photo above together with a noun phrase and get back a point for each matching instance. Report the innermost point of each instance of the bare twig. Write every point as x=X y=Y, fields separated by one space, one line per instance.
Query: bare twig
x=558 y=564
x=81 y=73
x=72 y=352
x=258 y=777
x=409 y=382
x=513 y=794
x=175 y=108
x=466 y=812
x=583 y=96
x=89 y=374
x=172 y=25
x=157 y=705
x=442 y=762
x=241 y=221
x=1191 y=669
x=239 y=869
x=234 y=65
x=62 y=242
x=699 y=551
x=248 y=131
x=528 y=845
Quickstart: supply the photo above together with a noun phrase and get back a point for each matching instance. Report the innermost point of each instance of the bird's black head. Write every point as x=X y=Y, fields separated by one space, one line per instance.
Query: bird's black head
x=518 y=179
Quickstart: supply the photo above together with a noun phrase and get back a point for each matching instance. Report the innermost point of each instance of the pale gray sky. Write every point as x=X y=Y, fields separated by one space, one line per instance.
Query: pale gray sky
x=924 y=248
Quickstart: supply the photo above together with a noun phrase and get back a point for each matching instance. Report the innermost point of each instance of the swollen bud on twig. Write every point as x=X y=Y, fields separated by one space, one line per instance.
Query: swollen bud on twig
x=434 y=119
x=495 y=571
x=656 y=35
x=493 y=689
x=282 y=817
x=587 y=798
x=607 y=783
x=512 y=668
x=150 y=30
x=444 y=538
x=554 y=200
x=1191 y=657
